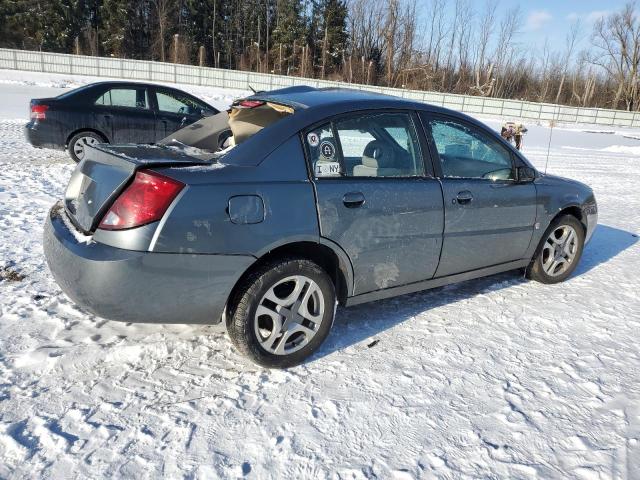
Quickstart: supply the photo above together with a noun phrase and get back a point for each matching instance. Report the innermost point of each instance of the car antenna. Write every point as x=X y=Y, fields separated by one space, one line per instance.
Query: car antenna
x=552 y=124
x=255 y=91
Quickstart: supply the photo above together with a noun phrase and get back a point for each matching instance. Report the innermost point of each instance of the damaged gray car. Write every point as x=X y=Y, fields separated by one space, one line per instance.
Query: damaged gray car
x=269 y=215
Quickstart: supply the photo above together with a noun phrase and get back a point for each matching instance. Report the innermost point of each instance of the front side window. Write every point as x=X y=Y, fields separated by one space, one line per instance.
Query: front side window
x=370 y=145
x=175 y=102
x=466 y=152
x=124 y=97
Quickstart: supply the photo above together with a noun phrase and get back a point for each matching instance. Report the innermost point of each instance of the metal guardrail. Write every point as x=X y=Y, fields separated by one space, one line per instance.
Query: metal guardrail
x=216 y=77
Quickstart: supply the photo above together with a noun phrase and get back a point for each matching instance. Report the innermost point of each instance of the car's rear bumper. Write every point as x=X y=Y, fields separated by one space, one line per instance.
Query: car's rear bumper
x=41 y=136
x=136 y=286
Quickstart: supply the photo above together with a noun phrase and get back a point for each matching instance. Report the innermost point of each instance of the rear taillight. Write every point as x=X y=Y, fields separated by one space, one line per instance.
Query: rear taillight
x=144 y=201
x=250 y=103
x=38 y=112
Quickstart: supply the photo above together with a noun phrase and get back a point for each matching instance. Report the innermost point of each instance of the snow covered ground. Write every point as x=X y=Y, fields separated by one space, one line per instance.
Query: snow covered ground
x=497 y=377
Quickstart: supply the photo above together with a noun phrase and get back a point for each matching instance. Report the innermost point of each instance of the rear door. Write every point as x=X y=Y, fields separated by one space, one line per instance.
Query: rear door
x=176 y=110
x=489 y=216
x=375 y=197
x=125 y=114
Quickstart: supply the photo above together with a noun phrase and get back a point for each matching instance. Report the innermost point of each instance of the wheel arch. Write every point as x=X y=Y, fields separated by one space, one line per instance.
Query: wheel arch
x=573 y=210
x=86 y=129
x=328 y=256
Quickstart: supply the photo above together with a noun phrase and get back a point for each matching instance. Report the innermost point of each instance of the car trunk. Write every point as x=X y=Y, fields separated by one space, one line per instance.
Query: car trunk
x=106 y=171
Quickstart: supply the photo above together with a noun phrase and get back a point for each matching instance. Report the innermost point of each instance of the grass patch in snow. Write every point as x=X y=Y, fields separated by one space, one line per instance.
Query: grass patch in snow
x=10 y=275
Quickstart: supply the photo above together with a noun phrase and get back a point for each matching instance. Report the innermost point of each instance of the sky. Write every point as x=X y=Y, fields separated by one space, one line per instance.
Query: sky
x=552 y=19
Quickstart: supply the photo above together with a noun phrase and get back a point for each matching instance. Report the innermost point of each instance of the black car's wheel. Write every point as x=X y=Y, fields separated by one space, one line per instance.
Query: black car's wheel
x=79 y=141
x=559 y=251
x=282 y=312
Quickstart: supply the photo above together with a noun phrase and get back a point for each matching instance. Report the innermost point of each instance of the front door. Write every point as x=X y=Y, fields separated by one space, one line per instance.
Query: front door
x=124 y=113
x=375 y=199
x=489 y=216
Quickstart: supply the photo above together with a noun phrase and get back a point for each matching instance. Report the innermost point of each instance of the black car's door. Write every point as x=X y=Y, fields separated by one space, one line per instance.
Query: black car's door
x=489 y=216
x=375 y=198
x=176 y=110
x=125 y=114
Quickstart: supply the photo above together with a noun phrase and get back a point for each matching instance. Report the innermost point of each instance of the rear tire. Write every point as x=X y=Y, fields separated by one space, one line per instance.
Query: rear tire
x=282 y=312
x=78 y=142
x=559 y=251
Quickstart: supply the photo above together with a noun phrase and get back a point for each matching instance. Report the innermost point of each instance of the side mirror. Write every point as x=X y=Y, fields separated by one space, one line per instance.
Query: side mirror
x=526 y=174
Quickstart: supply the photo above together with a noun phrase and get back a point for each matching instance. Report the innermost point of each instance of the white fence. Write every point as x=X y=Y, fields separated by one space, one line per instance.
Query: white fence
x=216 y=77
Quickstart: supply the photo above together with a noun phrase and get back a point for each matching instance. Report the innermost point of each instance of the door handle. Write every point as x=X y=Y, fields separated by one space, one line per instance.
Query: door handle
x=106 y=116
x=463 y=197
x=183 y=122
x=353 y=199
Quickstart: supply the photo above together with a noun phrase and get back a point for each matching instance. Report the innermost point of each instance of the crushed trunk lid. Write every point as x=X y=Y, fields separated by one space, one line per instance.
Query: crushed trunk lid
x=105 y=172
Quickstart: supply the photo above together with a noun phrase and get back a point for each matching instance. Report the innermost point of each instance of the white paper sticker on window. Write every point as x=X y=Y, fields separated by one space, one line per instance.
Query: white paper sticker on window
x=313 y=139
x=327 y=169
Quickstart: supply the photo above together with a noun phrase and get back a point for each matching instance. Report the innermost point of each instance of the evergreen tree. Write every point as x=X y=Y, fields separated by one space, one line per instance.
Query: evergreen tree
x=289 y=30
x=114 y=27
x=328 y=33
x=124 y=28
x=42 y=25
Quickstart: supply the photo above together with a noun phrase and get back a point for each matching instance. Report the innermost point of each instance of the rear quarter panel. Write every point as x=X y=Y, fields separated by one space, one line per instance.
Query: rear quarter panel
x=63 y=120
x=76 y=113
x=200 y=222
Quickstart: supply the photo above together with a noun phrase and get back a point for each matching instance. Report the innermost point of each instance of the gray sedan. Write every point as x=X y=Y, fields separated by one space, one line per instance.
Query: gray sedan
x=269 y=215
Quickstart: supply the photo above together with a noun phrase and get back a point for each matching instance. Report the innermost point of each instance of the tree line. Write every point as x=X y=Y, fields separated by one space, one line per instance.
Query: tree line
x=467 y=48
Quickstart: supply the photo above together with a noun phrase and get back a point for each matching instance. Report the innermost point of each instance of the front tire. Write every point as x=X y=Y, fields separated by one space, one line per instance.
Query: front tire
x=282 y=312
x=79 y=141
x=559 y=251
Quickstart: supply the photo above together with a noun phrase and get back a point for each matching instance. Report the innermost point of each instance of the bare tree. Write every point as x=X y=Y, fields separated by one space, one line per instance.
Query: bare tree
x=163 y=10
x=572 y=38
x=503 y=55
x=616 y=39
x=390 y=31
x=437 y=32
x=465 y=31
x=487 y=26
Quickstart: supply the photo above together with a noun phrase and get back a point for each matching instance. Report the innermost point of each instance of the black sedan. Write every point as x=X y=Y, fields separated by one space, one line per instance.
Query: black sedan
x=111 y=112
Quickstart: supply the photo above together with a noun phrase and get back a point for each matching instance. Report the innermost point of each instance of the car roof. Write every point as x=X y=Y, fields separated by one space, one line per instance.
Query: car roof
x=305 y=97
x=90 y=88
x=314 y=106
x=123 y=83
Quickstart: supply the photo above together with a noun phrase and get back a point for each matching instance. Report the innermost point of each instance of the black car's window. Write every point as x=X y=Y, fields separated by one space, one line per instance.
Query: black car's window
x=175 y=102
x=381 y=144
x=124 y=97
x=467 y=152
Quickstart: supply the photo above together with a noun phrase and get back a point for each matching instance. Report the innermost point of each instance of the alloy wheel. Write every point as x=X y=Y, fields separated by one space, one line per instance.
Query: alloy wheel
x=289 y=315
x=81 y=143
x=559 y=250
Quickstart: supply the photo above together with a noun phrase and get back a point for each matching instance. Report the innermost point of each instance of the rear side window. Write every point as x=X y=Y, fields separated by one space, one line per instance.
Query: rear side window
x=124 y=97
x=371 y=145
x=323 y=150
x=175 y=102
